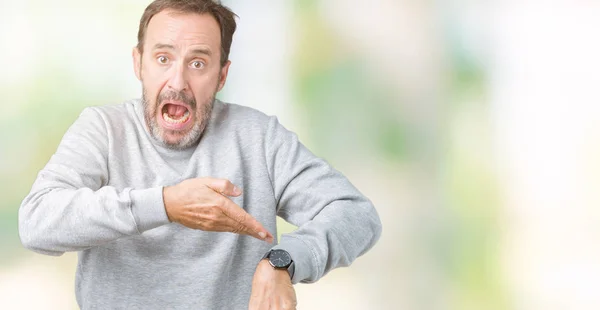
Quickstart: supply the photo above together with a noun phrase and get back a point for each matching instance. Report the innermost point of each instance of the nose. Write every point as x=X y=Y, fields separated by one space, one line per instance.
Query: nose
x=177 y=80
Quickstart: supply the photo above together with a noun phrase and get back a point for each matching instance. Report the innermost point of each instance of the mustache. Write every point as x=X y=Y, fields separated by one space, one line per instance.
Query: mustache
x=176 y=96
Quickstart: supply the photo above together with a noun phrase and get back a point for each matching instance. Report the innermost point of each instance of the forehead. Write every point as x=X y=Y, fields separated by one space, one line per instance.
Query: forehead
x=183 y=29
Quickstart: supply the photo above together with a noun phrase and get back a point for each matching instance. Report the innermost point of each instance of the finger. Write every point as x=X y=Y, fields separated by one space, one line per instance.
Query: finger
x=224 y=187
x=246 y=222
x=286 y=303
x=255 y=301
x=237 y=227
x=260 y=302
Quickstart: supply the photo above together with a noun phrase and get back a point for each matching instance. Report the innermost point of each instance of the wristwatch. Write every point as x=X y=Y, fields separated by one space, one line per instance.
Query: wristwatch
x=281 y=259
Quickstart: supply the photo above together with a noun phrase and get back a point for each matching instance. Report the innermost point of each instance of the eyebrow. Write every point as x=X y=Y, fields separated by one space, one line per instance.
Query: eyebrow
x=205 y=51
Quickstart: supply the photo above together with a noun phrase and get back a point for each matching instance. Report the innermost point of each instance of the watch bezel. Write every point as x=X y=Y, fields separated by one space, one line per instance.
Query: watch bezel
x=284 y=252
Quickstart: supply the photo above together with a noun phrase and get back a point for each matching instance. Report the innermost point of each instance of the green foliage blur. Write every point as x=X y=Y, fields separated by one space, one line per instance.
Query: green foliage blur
x=362 y=121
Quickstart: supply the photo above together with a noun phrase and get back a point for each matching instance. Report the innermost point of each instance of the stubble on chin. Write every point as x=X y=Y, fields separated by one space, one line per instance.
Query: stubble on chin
x=188 y=139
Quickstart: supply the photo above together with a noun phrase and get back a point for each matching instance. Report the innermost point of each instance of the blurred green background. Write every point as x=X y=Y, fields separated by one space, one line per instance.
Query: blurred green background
x=471 y=125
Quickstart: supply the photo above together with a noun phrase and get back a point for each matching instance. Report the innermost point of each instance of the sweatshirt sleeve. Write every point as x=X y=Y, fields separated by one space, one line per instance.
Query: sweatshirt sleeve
x=70 y=208
x=336 y=223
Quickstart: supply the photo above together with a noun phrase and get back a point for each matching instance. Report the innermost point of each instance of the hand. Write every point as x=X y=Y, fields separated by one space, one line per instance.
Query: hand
x=203 y=204
x=272 y=289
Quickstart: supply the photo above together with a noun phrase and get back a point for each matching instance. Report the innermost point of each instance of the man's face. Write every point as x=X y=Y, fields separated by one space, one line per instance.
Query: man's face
x=181 y=72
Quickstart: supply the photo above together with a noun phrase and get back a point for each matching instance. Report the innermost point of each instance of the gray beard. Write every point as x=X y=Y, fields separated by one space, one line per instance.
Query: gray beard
x=156 y=131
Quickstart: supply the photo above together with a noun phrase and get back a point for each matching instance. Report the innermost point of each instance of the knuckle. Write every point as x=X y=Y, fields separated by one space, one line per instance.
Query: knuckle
x=210 y=217
x=241 y=217
x=238 y=229
x=201 y=224
x=220 y=201
x=207 y=224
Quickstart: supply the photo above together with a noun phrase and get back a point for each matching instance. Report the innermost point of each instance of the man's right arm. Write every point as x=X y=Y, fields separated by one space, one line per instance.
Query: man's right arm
x=70 y=208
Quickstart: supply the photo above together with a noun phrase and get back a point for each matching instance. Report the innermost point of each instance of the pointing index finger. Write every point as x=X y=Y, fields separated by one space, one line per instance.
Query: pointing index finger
x=250 y=224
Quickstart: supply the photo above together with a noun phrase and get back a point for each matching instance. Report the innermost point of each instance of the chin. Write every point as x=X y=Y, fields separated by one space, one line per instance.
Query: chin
x=178 y=140
x=174 y=138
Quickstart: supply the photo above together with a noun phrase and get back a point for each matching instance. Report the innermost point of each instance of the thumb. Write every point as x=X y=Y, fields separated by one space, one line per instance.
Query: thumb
x=224 y=187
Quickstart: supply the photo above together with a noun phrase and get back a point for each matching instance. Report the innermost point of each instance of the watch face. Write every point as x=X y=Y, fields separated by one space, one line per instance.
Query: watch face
x=280 y=258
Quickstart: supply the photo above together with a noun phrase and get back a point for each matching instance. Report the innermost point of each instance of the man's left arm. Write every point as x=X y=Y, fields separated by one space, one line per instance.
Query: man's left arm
x=336 y=223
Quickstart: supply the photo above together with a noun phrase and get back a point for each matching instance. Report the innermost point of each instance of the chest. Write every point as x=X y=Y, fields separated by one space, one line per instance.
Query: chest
x=243 y=165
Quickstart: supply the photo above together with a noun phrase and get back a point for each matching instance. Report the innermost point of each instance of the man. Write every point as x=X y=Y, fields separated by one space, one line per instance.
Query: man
x=161 y=196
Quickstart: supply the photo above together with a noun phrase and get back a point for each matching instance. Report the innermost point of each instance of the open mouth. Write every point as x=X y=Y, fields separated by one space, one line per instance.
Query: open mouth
x=175 y=116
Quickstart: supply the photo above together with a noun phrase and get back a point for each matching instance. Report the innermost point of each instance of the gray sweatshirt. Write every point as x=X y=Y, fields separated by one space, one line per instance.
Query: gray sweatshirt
x=101 y=195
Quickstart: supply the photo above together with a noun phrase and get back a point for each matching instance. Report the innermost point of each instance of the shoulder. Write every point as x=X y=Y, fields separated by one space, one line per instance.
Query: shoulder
x=239 y=118
x=254 y=126
x=115 y=119
x=239 y=114
x=116 y=113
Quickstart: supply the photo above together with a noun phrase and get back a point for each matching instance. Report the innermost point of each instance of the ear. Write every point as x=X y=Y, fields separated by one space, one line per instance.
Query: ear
x=223 y=75
x=137 y=63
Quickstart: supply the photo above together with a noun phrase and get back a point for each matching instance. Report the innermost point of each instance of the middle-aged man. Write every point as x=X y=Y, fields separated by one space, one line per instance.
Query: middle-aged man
x=161 y=196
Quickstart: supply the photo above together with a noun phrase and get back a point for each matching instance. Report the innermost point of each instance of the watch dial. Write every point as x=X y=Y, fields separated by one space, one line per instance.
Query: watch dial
x=280 y=258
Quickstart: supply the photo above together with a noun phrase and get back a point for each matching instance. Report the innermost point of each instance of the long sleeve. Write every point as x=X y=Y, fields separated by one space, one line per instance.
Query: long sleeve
x=70 y=208
x=336 y=223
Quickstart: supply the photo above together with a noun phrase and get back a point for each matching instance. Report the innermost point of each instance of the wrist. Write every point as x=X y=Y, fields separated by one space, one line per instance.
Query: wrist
x=265 y=267
x=281 y=260
x=147 y=208
x=167 y=203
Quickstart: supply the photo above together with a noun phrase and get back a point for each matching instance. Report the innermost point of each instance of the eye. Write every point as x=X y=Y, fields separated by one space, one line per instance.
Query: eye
x=162 y=59
x=197 y=64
